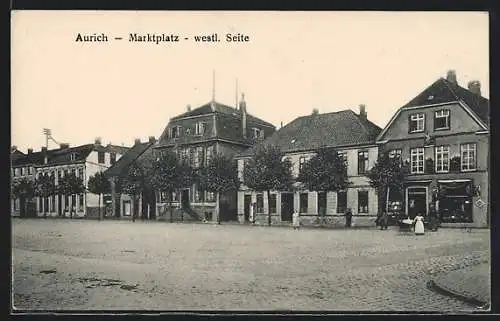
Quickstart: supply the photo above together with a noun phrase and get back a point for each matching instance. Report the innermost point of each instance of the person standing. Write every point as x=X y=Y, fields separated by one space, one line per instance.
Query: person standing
x=296 y=220
x=251 y=215
x=419 y=225
x=348 y=218
x=384 y=218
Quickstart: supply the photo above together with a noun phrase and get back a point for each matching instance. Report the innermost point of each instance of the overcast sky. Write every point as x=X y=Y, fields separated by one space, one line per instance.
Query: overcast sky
x=294 y=62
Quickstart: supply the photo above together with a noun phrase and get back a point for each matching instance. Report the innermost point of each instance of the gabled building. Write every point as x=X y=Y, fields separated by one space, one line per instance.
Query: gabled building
x=83 y=161
x=122 y=205
x=444 y=136
x=353 y=137
x=198 y=134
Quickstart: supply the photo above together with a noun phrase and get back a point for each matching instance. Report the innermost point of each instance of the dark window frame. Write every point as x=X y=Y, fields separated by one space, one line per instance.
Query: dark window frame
x=447 y=121
x=410 y=122
x=342 y=209
x=303 y=202
x=363 y=162
x=365 y=208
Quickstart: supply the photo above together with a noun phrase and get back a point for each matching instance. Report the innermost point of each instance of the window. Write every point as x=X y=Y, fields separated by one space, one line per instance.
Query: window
x=200 y=128
x=442 y=159
x=46 y=204
x=468 y=157
x=127 y=208
x=80 y=203
x=100 y=157
x=343 y=155
x=17 y=172
x=199 y=157
x=417 y=122
x=417 y=160
x=72 y=157
x=302 y=161
x=210 y=196
x=22 y=171
x=362 y=201
x=258 y=133
x=30 y=170
x=17 y=204
x=73 y=172
x=209 y=154
x=66 y=203
x=321 y=203
x=53 y=203
x=80 y=173
x=198 y=194
x=112 y=158
x=260 y=203
x=362 y=162
x=395 y=153
x=272 y=203
x=174 y=132
x=73 y=202
x=442 y=119
x=40 y=204
x=304 y=202
x=59 y=175
x=341 y=201
x=185 y=154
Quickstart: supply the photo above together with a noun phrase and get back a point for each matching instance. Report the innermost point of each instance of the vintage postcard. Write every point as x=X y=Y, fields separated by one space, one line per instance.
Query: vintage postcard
x=250 y=161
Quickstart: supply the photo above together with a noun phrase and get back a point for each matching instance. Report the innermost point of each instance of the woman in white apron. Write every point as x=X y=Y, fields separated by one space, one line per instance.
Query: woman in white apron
x=251 y=213
x=419 y=225
x=296 y=220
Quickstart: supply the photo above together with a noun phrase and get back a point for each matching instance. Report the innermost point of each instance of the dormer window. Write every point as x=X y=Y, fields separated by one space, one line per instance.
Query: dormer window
x=200 y=128
x=258 y=133
x=416 y=123
x=174 y=132
x=442 y=119
x=72 y=157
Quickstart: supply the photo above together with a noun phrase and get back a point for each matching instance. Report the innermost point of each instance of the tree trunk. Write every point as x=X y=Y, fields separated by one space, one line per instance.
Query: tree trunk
x=171 y=198
x=217 y=207
x=203 y=208
x=71 y=208
x=268 y=209
x=100 y=217
x=388 y=188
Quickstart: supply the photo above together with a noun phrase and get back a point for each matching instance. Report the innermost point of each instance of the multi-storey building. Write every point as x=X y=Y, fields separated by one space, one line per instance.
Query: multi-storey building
x=83 y=161
x=353 y=137
x=200 y=133
x=443 y=134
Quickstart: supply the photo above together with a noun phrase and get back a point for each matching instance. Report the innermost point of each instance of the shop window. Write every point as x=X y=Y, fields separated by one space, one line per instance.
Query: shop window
x=341 y=201
x=304 y=202
x=362 y=201
x=272 y=203
x=260 y=203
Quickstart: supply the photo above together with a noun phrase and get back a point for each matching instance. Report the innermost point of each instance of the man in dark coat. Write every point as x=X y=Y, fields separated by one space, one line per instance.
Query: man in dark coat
x=348 y=218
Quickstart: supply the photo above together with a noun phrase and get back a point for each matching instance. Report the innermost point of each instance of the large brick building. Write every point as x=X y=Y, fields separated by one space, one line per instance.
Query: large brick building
x=353 y=137
x=443 y=134
x=198 y=134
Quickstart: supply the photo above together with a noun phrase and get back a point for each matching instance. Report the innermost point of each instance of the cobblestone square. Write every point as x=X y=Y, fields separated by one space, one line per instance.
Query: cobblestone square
x=109 y=265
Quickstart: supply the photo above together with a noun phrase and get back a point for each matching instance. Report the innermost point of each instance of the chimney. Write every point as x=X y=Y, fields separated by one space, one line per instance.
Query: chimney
x=30 y=151
x=362 y=110
x=315 y=111
x=243 y=110
x=451 y=76
x=475 y=87
x=98 y=141
x=137 y=141
x=281 y=125
x=44 y=153
x=188 y=108
x=63 y=145
x=152 y=139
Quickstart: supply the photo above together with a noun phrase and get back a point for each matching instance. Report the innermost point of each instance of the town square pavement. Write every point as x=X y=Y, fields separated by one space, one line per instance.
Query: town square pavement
x=82 y=265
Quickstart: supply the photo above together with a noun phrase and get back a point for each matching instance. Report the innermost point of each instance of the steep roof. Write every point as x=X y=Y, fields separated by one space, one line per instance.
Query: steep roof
x=117 y=149
x=337 y=129
x=221 y=109
x=127 y=159
x=444 y=91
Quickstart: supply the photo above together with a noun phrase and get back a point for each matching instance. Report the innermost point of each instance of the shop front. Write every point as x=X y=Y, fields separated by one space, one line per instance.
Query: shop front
x=455 y=200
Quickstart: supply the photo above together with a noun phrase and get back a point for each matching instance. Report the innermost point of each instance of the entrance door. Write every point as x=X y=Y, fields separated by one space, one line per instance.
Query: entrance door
x=417 y=201
x=246 y=210
x=286 y=207
x=185 y=199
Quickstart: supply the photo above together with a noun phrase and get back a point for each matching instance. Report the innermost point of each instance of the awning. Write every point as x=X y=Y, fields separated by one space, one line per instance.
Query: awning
x=454 y=180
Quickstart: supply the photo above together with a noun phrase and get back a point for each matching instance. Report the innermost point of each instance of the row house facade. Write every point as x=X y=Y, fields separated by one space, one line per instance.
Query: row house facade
x=123 y=205
x=196 y=135
x=353 y=137
x=82 y=161
x=443 y=135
